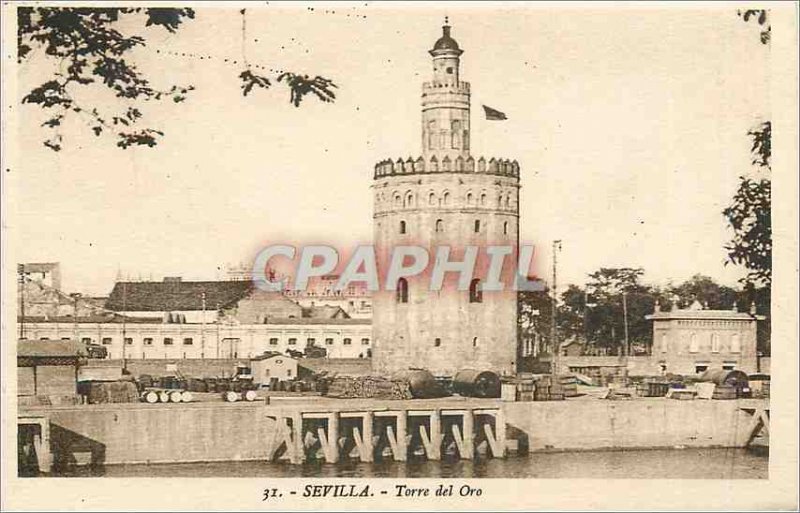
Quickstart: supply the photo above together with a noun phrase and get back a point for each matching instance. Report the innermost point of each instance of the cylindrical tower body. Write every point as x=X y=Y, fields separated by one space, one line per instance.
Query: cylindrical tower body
x=445 y=198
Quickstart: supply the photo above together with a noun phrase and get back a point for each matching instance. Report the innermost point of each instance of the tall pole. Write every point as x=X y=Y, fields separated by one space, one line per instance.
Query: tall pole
x=203 y=328
x=124 y=327
x=553 y=312
x=21 y=272
x=626 y=348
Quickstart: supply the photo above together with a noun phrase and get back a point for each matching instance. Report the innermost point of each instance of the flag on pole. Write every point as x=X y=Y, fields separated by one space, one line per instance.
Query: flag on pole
x=493 y=115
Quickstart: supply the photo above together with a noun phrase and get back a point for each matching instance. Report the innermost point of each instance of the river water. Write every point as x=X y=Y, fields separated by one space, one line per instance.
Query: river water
x=643 y=464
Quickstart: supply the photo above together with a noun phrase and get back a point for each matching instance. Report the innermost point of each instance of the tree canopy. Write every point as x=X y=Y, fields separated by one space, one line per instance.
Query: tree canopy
x=89 y=50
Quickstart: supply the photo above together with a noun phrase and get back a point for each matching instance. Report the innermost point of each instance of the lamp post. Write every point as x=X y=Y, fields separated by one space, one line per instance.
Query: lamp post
x=553 y=325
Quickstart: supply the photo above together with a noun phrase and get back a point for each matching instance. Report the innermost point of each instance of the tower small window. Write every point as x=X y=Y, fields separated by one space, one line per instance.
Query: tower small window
x=475 y=292
x=402 y=290
x=439 y=226
x=437 y=342
x=449 y=70
x=474 y=341
x=505 y=228
x=477 y=226
x=402 y=227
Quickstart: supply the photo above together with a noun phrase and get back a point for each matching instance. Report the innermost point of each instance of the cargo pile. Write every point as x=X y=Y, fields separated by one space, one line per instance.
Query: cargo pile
x=652 y=389
x=113 y=392
x=570 y=385
x=368 y=387
x=548 y=390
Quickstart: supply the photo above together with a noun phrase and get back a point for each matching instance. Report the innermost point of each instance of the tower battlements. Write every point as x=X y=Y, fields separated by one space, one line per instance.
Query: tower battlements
x=493 y=166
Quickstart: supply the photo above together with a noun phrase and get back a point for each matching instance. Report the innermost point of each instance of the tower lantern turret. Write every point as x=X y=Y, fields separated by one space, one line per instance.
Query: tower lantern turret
x=445 y=103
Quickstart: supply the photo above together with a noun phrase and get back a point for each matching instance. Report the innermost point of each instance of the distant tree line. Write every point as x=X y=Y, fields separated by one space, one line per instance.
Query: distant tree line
x=594 y=314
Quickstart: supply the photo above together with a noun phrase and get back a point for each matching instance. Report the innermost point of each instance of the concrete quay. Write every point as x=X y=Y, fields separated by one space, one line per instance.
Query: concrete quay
x=218 y=431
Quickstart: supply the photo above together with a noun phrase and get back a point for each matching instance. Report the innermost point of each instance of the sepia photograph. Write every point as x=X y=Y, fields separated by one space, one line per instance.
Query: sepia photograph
x=385 y=255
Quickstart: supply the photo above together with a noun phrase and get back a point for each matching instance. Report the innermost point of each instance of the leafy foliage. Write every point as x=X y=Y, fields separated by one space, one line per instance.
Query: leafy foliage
x=91 y=51
x=762 y=17
x=302 y=85
x=750 y=215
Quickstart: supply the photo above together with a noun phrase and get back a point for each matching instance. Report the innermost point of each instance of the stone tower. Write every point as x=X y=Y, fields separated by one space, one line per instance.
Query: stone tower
x=445 y=197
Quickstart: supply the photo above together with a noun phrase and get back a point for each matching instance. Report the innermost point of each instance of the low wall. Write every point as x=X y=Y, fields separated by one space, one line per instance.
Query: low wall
x=190 y=367
x=142 y=433
x=640 y=423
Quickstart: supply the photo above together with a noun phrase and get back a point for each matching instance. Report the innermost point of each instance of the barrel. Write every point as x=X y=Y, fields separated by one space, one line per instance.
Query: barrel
x=175 y=396
x=186 y=396
x=421 y=383
x=476 y=383
x=163 y=396
x=735 y=378
x=230 y=396
x=150 y=396
x=250 y=395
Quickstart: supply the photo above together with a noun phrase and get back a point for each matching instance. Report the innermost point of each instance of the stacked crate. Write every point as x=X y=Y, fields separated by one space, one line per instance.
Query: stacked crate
x=546 y=389
x=569 y=385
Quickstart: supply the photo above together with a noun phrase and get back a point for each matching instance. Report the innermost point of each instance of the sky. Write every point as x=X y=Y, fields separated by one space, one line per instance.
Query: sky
x=630 y=126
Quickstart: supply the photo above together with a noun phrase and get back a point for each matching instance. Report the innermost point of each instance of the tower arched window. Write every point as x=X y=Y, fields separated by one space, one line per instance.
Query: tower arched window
x=455 y=134
x=474 y=341
x=397 y=200
x=664 y=343
x=432 y=134
x=437 y=342
x=439 y=226
x=431 y=199
x=483 y=199
x=402 y=227
x=477 y=226
x=446 y=199
x=466 y=139
x=469 y=198
x=402 y=290
x=409 y=200
x=475 y=292
x=508 y=201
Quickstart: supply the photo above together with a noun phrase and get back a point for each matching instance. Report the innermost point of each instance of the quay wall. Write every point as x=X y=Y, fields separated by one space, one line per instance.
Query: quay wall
x=639 y=423
x=167 y=433
x=216 y=431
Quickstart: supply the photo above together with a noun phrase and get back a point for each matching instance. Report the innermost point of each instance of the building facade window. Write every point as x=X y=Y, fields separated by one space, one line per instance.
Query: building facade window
x=364 y=341
x=188 y=341
x=148 y=341
x=128 y=341
x=328 y=341
x=714 y=343
x=292 y=341
x=736 y=343
x=273 y=341
x=347 y=341
x=106 y=341
x=664 y=342
x=310 y=342
x=475 y=292
x=402 y=290
x=167 y=341
x=86 y=340
x=693 y=345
